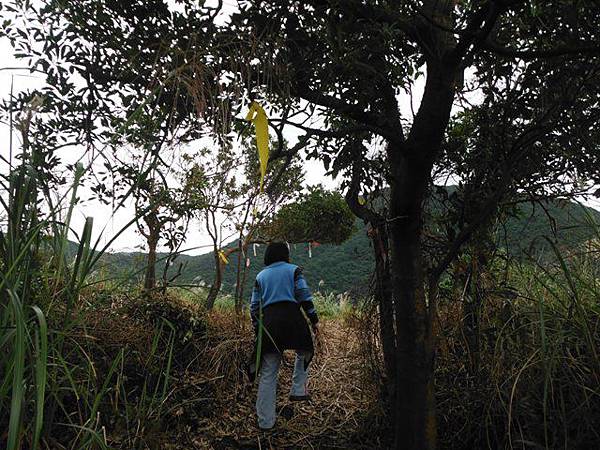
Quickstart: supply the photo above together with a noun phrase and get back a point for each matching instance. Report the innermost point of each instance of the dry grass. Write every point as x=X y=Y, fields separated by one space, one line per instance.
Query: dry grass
x=210 y=403
x=335 y=418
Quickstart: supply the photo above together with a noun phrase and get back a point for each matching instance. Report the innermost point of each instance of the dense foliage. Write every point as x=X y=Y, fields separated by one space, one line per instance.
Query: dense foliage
x=508 y=108
x=319 y=216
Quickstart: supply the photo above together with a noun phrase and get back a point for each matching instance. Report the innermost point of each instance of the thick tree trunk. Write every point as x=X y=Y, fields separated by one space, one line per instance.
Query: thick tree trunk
x=218 y=281
x=410 y=171
x=415 y=426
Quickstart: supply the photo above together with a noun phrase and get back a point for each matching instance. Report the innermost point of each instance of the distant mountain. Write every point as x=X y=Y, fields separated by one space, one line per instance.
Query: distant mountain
x=349 y=265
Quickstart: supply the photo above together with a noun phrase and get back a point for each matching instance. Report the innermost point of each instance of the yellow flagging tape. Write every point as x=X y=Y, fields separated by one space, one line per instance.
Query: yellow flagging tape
x=361 y=200
x=223 y=258
x=259 y=118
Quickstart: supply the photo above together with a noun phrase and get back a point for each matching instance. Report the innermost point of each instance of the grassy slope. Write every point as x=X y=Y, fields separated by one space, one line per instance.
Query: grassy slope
x=349 y=265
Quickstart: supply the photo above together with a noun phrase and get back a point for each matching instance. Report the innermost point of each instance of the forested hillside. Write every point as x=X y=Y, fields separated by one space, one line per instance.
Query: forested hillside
x=339 y=268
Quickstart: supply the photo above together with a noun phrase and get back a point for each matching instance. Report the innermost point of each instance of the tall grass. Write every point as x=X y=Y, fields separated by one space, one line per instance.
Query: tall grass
x=29 y=284
x=539 y=383
x=23 y=325
x=551 y=390
x=51 y=374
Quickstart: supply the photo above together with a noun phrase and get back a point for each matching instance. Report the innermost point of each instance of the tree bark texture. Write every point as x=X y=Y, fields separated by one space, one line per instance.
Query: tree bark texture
x=410 y=173
x=218 y=281
x=414 y=426
x=383 y=295
x=152 y=239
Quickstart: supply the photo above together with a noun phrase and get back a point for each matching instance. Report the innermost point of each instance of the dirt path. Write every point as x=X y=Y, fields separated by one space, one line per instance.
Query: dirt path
x=337 y=417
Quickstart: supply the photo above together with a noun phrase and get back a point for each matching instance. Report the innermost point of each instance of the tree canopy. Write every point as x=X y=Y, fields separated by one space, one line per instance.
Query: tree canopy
x=509 y=108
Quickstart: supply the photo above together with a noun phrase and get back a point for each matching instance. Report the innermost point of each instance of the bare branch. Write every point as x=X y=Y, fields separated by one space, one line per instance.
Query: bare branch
x=339 y=133
x=370 y=121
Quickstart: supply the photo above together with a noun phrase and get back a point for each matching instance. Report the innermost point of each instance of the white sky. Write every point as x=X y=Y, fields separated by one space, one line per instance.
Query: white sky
x=107 y=222
x=104 y=218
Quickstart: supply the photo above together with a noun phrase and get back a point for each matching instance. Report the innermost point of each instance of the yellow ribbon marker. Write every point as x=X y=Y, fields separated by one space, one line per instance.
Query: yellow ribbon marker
x=223 y=258
x=361 y=200
x=258 y=117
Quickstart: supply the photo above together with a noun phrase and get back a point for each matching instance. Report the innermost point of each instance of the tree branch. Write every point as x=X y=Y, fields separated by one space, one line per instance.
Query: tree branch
x=351 y=196
x=339 y=133
x=370 y=121
x=518 y=149
x=528 y=55
x=478 y=29
x=289 y=155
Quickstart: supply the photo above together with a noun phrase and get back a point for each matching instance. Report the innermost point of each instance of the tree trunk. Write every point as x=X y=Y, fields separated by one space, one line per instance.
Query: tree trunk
x=238 y=279
x=415 y=426
x=152 y=238
x=474 y=300
x=383 y=297
x=218 y=281
x=150 y=277
x=242 y=286
x=409 y=175
x=378 y=235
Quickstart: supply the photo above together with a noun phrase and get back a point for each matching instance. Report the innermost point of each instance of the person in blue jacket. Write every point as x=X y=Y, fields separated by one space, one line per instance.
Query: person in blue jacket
x=279 y=296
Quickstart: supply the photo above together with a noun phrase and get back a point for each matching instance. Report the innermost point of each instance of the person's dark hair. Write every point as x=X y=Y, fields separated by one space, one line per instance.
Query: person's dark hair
x=275 y=252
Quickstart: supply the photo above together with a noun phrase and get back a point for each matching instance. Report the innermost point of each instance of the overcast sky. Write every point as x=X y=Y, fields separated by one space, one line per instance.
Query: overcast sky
x=110 y=222
x=106 y=221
